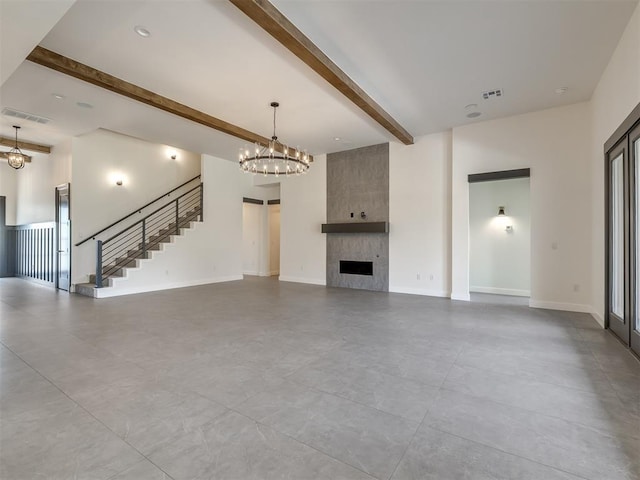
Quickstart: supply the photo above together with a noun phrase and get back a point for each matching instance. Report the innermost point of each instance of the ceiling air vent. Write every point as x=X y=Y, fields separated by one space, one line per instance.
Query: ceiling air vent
x=492 y=93
x=10 y=112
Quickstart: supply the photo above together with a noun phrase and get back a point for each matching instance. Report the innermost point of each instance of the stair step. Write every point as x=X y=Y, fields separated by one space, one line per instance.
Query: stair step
x=86 y=289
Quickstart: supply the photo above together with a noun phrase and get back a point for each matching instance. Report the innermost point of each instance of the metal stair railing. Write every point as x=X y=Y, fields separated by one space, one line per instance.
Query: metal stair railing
x=134 y=242
x=137 y=210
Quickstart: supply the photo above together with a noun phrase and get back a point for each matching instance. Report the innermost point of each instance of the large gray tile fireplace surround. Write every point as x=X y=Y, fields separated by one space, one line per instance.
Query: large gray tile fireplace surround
x=358 y=192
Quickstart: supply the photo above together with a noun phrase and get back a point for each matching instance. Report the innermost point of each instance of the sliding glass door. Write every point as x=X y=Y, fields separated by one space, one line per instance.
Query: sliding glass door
x=623 y=232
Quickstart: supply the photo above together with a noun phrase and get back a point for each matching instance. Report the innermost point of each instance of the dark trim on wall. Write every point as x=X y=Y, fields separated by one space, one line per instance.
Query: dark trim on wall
x=274 y=202
x=356 y=227
x=255 y=201
x=7 y=252
x=503 y=175
x=623 y=129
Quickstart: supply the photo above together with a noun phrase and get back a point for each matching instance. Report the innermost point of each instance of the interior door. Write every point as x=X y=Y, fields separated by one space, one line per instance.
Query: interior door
x=634 y=144
x=63 y=238
x=618 y=245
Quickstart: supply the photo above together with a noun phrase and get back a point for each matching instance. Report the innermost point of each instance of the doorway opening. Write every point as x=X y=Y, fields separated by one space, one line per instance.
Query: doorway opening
x=260 y=237
x=274 y=237
x=500 y=237
x=63 y=238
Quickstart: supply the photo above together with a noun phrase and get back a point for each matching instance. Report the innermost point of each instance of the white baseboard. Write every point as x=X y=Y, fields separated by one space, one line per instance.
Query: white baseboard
x=465 y=297
x=565 y=307
x=311 y=281
x=419 y=291
x=251 y=273
x=117 y=292
x=501 y=291
x=599 y=318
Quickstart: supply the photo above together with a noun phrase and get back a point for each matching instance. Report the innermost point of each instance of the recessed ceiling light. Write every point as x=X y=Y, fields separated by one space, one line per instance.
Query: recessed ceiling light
x=140 y=30
x=471 y=106
x=84 y=105
x=561 y=90
x=57 y=96
x=337 y=139
x=473 y=114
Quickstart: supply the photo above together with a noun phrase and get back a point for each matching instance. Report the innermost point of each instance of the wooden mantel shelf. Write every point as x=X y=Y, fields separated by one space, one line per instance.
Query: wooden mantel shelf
x=356 y=227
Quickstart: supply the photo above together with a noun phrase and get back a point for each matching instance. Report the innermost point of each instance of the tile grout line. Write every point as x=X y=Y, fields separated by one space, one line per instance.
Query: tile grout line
x=536 y=380
x=91 y=415
x=510 y=453
x=305 y=444
x=442 y=387
x=304 y=385
x=423 y=419
x=589 y=427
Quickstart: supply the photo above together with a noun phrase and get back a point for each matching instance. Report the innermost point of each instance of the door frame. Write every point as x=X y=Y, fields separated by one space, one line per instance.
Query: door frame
x=620 y=331
x=623 y=138
x=63 y=186
x=634 y=216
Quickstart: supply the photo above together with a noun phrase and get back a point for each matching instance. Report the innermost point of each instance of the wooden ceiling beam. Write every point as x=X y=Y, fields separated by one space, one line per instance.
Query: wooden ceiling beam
x=68 y=66
x=32 y=147
x=269 y=18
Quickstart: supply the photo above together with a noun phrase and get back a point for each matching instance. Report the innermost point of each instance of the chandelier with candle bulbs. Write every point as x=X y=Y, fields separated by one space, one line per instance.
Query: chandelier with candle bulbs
x=276 y=158
x=15 y=157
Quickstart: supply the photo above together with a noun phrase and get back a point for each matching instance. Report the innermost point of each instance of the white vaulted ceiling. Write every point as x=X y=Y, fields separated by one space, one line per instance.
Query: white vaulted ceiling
x=421 y=61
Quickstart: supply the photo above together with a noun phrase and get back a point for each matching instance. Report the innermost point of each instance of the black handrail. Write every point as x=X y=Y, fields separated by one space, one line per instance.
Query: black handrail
x=152 y=213
x=137 y=210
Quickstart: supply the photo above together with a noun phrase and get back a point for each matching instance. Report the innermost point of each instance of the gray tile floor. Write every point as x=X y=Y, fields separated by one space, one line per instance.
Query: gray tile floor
x=262 y=380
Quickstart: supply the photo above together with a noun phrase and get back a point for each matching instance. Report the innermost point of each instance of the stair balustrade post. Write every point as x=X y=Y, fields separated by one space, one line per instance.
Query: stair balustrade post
x=201 y=204
x=144 y=238
x=177 y=218
x=99 y=265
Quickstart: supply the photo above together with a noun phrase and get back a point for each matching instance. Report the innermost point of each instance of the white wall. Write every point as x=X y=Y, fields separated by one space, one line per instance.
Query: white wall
x=617 y=93
x=499 y=258
x=210 y=252
x=555 y=145
x=9 y=189
x=98 y=159
x=303 y=209
x=37 y=181
x=419 y=214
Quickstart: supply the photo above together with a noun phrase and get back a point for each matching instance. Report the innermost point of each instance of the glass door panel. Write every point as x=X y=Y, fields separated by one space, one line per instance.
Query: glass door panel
x=618 y=272
x=617 y=236
x=634 y=340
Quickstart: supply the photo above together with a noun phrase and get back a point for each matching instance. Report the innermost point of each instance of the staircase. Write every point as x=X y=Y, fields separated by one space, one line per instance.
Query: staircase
x=138 y=242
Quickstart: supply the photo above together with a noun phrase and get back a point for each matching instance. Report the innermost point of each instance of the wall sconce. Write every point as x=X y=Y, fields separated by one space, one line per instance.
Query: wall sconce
x=119 y=182
x=173 y=155
x=501 y=212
